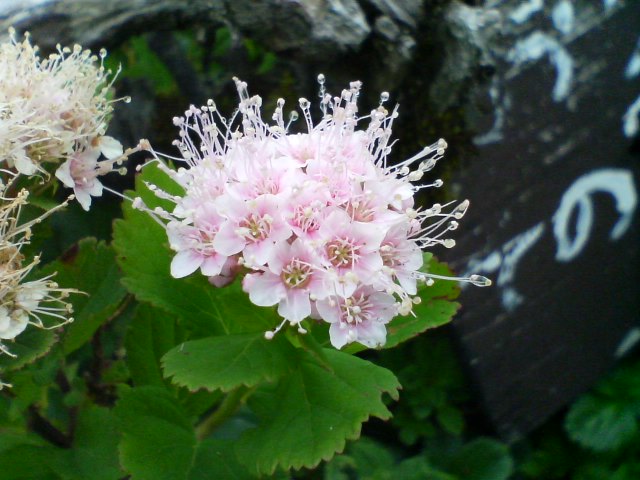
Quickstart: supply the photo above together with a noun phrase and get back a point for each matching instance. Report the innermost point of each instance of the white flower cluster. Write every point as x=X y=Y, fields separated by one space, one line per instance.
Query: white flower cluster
x=54 y=111
x=37 y=302
x=53 y=116
x=319 y=223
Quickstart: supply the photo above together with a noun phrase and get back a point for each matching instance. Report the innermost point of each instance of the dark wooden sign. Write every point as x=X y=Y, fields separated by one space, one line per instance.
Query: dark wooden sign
x=554 y=216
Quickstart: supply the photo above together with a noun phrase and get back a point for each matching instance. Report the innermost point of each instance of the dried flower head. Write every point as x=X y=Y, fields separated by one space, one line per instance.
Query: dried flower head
x=320 y=223
x=37 y=302
x=56 y=111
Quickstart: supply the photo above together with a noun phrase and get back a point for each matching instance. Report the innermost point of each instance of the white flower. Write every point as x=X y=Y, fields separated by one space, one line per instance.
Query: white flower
x=38 y=302
x=12 y=323
x=55 y=111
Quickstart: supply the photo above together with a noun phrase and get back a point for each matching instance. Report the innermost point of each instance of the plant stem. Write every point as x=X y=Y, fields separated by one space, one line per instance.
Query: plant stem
x=230 y=405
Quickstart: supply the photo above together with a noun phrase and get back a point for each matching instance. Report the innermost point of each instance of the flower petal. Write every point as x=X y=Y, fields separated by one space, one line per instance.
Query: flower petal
x=110 y=147
x=227 y=241
x=296 y=306
x=83 y=197
x=24 y=164
x=339 y=334
x=264 y=289
x=185 y=263
x=212 y=265
x=63 y=173
x=329 y=313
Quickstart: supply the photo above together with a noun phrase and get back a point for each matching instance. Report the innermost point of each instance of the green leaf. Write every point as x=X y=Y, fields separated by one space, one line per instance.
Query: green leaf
x=311 y=412
x=140 y=61
x=451 y=419
x=482 y=459
x=216 y=459
x=436 y=308
x=365 y=457
x=370 y=460
x=233 y=309
x=152 y=333
x=68 y=226
x=623 y=385
x=28 y=462
x=93 y=454
x=27 y=347
x=418 y=468
x=95 y=445
x=13 y=437
x=554 y=456
x=159 y=442
x=145 y=259
x=157 y=438
x=43 y=202
x=600 y=423
x=229 y=361
x=91 y=269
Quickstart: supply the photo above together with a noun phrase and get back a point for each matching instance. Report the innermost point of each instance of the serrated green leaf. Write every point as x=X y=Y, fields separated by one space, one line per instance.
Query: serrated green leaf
x=600 y=423
x=159 y=442
x=151 y=334
x=229 y=361
x=311 y=412
x=482 y=459
x=91 y=269
x=437 y=307
x=27 y=347
x=145 y=258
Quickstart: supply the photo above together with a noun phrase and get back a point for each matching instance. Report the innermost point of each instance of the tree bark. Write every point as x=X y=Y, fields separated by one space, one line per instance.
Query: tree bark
x=311 y=27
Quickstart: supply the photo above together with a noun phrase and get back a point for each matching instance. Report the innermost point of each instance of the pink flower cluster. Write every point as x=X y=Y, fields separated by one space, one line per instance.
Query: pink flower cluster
x=319 y=223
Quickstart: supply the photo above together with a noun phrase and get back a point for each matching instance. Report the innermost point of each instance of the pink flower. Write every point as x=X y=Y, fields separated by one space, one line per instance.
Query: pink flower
x=402 y=259
x=82 y=169
x=80 y=172
x=293 y=277
x=277 y=177
x=360 y=317
x=301 y=147
x=194 y=245
x=352 y=250
x=252 y=227
x=321 y=224
x=306 y=209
